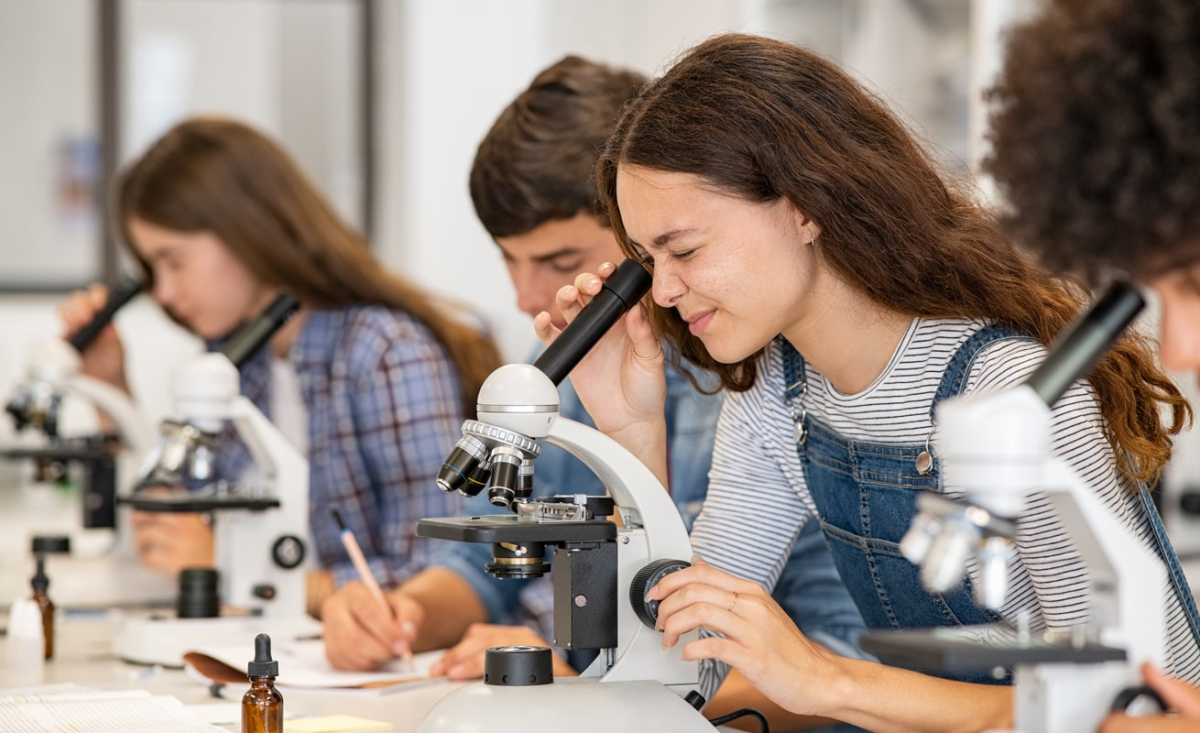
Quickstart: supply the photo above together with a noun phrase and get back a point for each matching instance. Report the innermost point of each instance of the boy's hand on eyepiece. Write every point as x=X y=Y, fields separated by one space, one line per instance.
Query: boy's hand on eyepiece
x=628 y=361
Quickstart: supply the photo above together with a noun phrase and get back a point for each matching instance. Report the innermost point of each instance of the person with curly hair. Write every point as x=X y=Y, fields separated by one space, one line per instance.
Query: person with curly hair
x=1096 y=140
x=806 y=249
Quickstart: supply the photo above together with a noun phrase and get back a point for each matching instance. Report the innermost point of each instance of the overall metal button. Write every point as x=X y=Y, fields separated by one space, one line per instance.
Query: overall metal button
x=924 y=462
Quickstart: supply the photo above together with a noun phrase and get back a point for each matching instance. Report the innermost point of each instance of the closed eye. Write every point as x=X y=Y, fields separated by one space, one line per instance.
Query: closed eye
x=642 y=256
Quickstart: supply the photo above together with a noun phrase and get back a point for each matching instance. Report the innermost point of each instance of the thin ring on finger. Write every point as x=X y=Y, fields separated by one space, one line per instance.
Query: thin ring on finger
x=652 y=357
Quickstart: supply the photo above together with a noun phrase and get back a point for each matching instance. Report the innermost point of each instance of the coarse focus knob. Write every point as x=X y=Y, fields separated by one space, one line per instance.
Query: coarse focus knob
x=643 y=581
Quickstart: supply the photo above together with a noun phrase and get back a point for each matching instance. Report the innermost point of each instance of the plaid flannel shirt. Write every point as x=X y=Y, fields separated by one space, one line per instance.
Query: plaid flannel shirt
x=384 y=410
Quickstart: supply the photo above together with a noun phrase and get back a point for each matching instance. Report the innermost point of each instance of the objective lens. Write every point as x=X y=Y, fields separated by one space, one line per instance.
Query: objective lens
x=525 y=479
x=946 y=562
x=203 y=463
x=477 y=479
x=916 y=543
x=506 y=470
x=994 y=558
x=465 y=458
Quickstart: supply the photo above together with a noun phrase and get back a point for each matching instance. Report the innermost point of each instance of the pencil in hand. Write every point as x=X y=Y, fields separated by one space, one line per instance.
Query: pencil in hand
x=365 y=575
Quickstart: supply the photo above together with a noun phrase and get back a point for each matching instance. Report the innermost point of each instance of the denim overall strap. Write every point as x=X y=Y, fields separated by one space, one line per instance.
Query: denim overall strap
x=865 y=496
x=1162 y=544
x=1175 y=574
x=954 y=381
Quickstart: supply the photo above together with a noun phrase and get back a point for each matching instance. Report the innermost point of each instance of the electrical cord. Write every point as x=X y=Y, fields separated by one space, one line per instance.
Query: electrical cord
x=762 y=719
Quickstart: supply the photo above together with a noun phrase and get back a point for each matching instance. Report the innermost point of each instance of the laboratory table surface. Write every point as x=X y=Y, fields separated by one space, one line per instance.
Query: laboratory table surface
x=83 y=656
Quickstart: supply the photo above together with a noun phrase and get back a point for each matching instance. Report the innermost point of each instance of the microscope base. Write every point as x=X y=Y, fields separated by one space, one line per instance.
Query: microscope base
x=1060 y=687
x=961 y=649
x=164 y=641
x=578 y=704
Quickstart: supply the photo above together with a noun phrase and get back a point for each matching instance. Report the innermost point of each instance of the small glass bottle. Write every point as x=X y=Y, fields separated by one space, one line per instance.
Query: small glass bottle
x=40 y=584
x=262 y=705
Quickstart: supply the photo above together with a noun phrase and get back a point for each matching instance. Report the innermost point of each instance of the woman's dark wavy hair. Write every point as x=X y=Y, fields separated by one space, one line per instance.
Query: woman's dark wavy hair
x=1096 y=136
x=222 y=176
x=763 y=120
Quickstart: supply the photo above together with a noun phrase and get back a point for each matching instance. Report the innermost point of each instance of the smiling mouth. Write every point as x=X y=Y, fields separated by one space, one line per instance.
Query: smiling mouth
x=698 y=323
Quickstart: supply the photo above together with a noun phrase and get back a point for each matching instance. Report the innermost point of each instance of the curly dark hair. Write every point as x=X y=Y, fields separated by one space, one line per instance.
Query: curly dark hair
x=1096 y=136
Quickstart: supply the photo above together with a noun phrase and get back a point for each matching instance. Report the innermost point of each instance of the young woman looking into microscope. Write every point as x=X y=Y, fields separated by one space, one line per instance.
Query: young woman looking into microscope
x=371 y=380
x=806 y=249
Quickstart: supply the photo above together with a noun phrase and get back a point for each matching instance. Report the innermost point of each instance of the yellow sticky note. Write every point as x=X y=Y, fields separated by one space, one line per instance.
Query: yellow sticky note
x=333 y=724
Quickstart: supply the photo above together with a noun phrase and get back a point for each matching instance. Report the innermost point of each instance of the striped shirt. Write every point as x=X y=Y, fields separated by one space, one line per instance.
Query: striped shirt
x=757 y=498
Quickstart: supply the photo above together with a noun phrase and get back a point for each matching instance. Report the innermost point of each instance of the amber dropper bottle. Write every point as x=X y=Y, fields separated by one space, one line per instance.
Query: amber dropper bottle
x=262 y=705
x=40 y=584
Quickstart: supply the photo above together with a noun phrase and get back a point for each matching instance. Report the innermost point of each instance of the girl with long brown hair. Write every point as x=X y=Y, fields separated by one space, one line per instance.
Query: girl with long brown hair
x=807 y=249
x=372 y=378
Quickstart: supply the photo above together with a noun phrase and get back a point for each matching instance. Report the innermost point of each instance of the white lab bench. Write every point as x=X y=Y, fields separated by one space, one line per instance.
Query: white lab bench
x=83 y=656
x=102 y=572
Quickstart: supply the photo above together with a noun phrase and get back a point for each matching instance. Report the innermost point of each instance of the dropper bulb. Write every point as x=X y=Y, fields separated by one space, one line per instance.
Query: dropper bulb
x=263 y=665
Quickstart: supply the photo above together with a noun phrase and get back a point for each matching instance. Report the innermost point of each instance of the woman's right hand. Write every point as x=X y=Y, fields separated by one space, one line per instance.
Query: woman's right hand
x=1179 y=695
x=104 y=358
x=622 y=392
x=758 y=638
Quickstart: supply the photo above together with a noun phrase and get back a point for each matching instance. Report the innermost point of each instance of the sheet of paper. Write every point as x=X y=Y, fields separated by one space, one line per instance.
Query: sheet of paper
x=302 y=663
x=333 y=724
x=216 y=712
x=124 y=711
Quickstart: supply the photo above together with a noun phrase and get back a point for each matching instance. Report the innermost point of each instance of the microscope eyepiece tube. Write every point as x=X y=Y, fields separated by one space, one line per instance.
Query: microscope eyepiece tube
x=124 y=291
x=249 y=338
x=1076 y=351
x=623 y=289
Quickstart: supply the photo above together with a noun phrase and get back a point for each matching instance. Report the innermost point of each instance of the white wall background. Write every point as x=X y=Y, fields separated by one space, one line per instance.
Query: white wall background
x=46 y=48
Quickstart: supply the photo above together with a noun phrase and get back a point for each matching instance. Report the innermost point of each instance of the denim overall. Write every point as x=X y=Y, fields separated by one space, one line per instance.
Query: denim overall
x=865 y=495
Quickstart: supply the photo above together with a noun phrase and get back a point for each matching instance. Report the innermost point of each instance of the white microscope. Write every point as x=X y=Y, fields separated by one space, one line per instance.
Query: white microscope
x=997 y=447
x=54 y=374
x=601 y=570
x=261 y=529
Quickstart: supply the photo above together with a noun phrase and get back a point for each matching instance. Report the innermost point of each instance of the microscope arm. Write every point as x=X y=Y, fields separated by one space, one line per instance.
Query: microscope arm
x=135 y=430
x=641 y=499
x=653 y=531
x=269 y=450
x=1124 y=576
